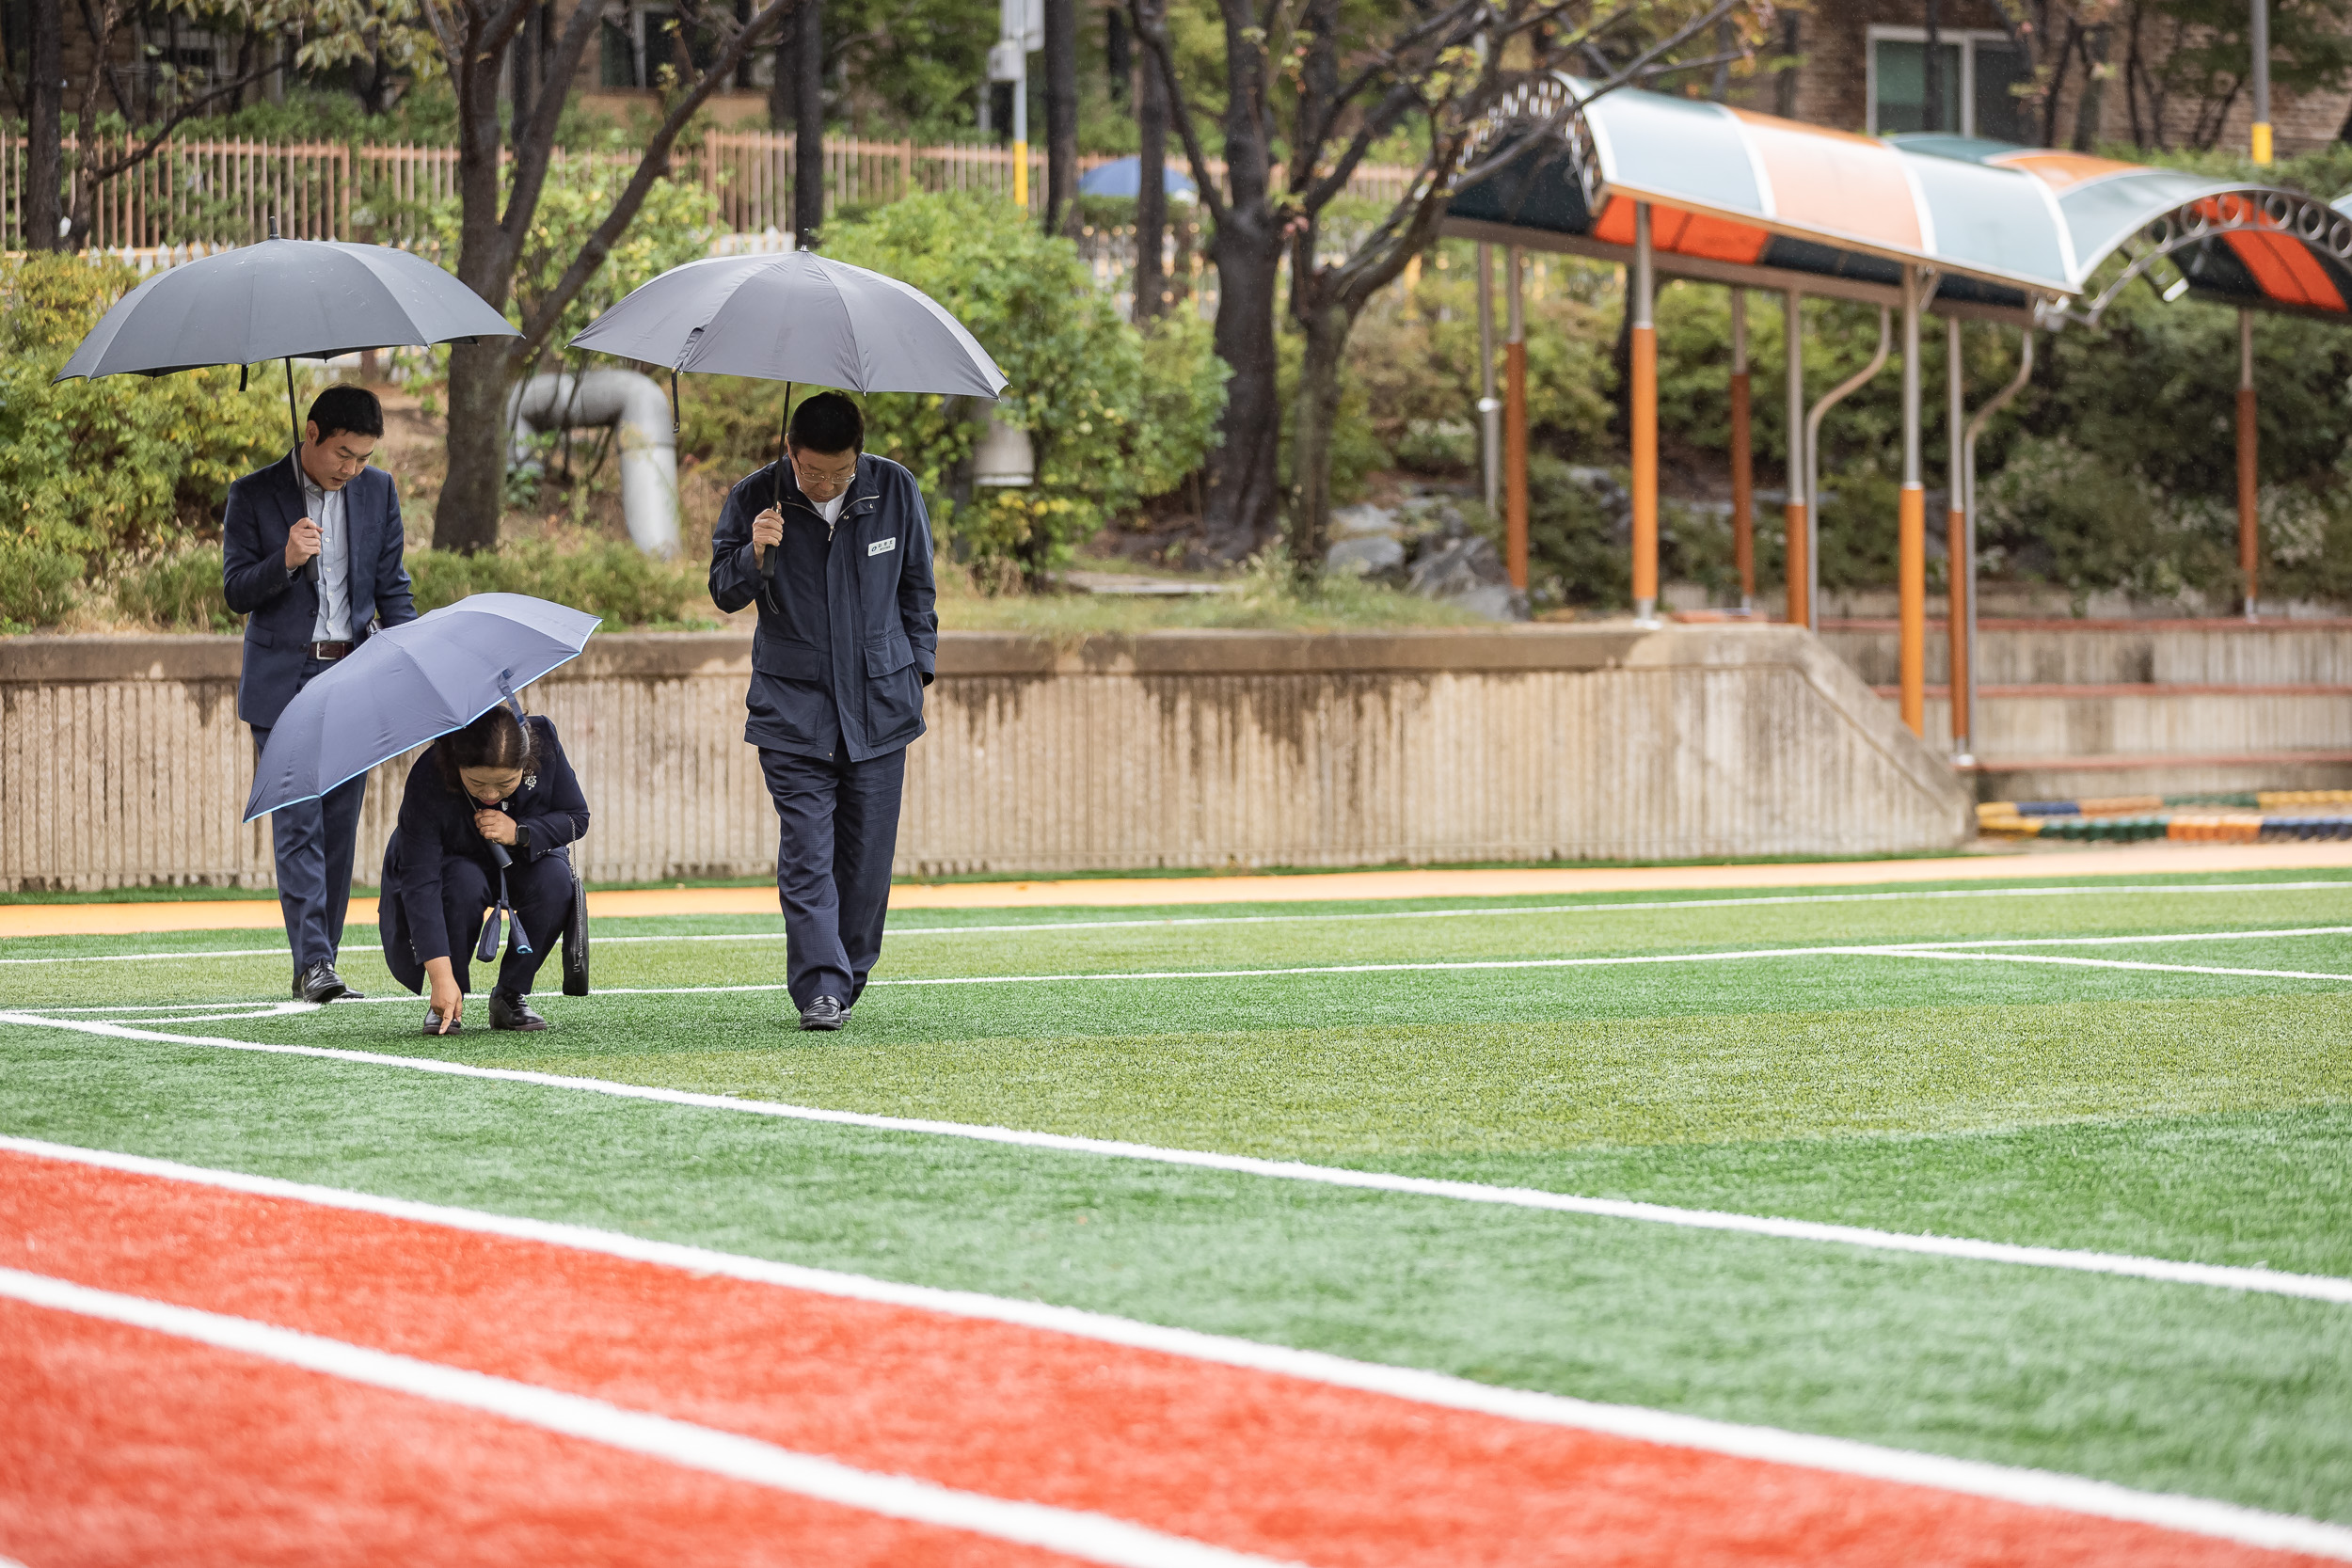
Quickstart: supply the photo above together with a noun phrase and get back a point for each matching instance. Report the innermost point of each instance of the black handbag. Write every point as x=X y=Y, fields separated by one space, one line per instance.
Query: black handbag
x=576 y=933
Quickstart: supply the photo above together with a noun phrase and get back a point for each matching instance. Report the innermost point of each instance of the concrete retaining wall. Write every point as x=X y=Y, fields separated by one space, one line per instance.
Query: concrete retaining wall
x=121 y=762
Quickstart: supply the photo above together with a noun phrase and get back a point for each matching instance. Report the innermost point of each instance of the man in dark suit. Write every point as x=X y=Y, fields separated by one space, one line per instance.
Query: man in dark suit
x=310 y=553
x=837 y=547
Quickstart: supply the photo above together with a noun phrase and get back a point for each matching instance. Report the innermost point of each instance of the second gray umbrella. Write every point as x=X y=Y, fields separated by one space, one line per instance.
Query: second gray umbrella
x=796 y=317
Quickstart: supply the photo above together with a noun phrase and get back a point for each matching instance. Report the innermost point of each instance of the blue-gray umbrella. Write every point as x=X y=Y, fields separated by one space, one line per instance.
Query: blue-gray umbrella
x=282 y=299
x=1124 y=177
x=407 y=684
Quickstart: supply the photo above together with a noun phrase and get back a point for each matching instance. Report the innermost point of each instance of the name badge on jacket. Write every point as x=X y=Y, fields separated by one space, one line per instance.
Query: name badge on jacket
x=880 y=546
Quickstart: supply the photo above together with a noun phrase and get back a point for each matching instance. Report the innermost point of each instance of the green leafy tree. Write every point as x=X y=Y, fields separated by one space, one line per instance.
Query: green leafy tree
x=95 y=475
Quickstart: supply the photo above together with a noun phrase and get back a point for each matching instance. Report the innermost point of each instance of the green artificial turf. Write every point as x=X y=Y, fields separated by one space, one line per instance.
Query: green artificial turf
x=2192 y=1116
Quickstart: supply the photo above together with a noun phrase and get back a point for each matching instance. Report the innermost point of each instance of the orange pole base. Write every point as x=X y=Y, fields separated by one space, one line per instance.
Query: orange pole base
x=1646 y=465
x=1515 y=463
x=1799 y=576
x=1911 y=575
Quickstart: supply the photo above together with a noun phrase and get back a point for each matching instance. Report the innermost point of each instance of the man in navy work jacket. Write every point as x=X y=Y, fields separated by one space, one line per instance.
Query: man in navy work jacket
x=846 y=642
x=310 y=550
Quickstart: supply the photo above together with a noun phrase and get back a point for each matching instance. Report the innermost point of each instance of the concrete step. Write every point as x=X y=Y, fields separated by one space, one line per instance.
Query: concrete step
x=2109 y=653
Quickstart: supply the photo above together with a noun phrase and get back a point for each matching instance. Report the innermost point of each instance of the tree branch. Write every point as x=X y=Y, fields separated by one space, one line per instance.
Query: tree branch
x=1154 y=36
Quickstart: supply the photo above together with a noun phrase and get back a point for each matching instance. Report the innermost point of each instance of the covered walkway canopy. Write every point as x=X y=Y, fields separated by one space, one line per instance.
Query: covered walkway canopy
x=1964 y=228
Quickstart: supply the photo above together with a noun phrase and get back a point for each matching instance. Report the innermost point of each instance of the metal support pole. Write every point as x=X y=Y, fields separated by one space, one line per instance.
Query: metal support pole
x=1911 y=530
x=1742 y=456
x=1964 y=690
x=1797 y=569
x=1021 y=132
x=1643 y=287
x=2248 y=490
x=2258 y=42
x=1959 y=584
x=1830 y=400
x=1490 y=407
x=1514 y=423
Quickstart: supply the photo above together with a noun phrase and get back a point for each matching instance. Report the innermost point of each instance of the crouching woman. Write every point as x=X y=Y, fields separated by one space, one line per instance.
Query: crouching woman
x=500 y=789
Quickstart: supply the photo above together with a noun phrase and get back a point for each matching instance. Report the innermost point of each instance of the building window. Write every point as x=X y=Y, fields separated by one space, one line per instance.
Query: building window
x=636 y=45
x=1977 y=71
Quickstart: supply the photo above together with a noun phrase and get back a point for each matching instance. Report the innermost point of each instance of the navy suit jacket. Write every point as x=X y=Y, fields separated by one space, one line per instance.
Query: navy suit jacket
x=281 y=607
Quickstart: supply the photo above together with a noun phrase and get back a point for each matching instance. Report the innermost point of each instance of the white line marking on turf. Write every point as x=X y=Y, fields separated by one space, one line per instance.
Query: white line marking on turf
x=1359 y=915
x=2035 y=1488
x=2166 y=1271
x=2110 y=964
x=1091 y=1537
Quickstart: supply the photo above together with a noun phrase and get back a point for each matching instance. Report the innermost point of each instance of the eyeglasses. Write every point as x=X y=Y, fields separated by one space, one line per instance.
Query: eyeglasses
x=824 y=479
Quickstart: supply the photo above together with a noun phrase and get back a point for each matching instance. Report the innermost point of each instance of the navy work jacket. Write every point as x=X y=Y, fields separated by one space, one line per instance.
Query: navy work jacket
x=847 y=636
x=282 y=606
x=437 y=822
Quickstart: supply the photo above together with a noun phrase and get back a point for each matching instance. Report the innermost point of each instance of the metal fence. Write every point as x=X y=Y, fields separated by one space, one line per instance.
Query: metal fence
x=225 y=192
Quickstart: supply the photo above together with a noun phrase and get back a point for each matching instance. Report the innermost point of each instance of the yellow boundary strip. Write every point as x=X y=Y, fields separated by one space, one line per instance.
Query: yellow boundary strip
x=2140 y=860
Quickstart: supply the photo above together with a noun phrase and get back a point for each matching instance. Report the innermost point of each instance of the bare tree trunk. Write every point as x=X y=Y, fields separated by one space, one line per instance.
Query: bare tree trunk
x=1785 y=84
x=2090 y=105
x=1118 y=56
x=1151 y=182
x=1062 y=115
x=44 y=154
x=1243 y=501
x=783 y=77
x=808 y=149
x=467 y=518
x=1317 y=409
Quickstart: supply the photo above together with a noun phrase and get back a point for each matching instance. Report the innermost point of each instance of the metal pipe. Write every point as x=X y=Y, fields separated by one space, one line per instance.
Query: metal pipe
x=1958 y=586
x=1490 y=407
x=1742 y=456
x=1910 y=524
x=1964 y=695
x=2248 y=479
x=1514 y=423
x=1644 y=286
x=1796 y=570
x=634 y=404
x=1830 y=400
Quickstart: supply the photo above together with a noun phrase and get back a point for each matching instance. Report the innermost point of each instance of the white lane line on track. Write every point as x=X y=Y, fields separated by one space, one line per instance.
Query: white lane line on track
x=2035 y=1488
x=2164 y=1271
x=1090 y=1536
x=1352 y=916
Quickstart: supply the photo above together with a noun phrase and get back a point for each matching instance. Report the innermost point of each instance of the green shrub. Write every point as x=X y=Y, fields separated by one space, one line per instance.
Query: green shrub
x=603 y=577
x=116 y=469
x=1576 y=554
x=36 y=585
x=1117 y=416
x=177 y=591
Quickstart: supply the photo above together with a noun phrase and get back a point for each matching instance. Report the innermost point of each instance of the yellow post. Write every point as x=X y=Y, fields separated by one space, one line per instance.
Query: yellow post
x=1515 y=423
x=1645 y=425
x=1021 y=174
x=1910 y=550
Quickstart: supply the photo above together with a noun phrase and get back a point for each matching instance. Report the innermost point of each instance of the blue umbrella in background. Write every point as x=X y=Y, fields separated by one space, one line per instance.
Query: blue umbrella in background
x=1124 y=177
x=404 y=687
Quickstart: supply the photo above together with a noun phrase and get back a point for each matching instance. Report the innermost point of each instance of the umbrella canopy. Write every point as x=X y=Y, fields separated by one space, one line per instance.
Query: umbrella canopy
x=406 y=686
x=1124 y=177
x=796 y=317
x=280 y=299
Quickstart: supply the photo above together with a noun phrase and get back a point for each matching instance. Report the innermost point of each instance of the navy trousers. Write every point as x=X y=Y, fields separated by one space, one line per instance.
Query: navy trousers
x=838 y=825
x=540 y=893
x=312 y=842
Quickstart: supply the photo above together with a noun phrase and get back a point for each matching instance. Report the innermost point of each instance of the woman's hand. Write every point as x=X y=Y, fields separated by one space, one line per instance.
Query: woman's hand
x=447 y=1001
x=496 y=825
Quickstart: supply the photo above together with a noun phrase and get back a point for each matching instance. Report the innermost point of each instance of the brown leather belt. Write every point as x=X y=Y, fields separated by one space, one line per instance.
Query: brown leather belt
x=327 y=652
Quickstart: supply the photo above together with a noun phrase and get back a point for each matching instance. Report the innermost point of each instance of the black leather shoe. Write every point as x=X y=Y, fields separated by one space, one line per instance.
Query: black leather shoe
x=514 y=1012
x=433 y=1023
x=823 y=1013
x=320 y=983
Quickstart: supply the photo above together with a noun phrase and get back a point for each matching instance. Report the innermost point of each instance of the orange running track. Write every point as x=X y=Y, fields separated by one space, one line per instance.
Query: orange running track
x=125 y=1444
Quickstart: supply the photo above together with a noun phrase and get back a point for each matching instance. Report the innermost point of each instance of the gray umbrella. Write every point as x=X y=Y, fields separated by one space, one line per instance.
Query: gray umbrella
x=796 y=317
x=409 y=684
x=278 y=300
